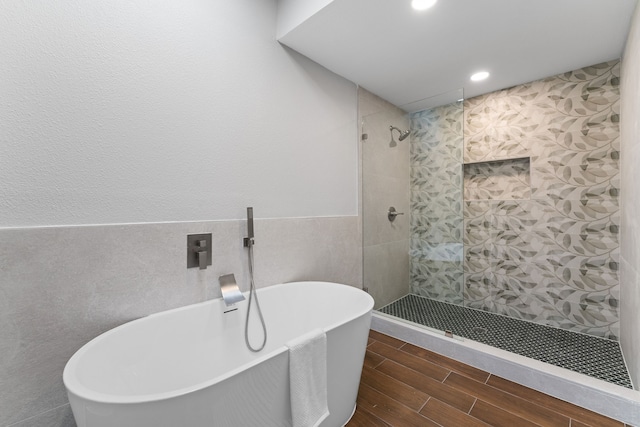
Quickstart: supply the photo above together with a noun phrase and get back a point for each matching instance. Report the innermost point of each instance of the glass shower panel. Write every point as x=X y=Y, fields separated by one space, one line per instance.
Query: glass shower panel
x=437 y=250
x=385 y=188
x=418 y=252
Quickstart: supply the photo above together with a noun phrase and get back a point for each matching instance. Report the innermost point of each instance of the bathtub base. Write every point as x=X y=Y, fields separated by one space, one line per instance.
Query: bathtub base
x=351 y=416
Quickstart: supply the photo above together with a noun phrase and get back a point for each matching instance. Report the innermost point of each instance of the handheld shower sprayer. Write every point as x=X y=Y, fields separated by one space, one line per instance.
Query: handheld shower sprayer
x=249 y=240
x=248 y=243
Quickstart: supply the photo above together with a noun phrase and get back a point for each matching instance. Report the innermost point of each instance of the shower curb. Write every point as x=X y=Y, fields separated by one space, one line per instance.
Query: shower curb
x=596 y=395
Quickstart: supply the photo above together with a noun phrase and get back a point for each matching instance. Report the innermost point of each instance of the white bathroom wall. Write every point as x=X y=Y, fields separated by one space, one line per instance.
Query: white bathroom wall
x=146 y=111
x=630 y=206
x=154 y=120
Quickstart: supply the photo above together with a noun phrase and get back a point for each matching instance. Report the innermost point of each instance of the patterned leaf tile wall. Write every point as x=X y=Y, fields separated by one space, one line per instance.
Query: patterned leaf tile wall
x=540 y=244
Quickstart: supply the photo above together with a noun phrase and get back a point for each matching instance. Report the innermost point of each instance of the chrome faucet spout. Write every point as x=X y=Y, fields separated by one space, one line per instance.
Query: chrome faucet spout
x=230 y=291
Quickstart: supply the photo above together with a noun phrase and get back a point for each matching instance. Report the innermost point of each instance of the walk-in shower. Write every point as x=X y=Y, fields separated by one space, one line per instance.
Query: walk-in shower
x=511 y=237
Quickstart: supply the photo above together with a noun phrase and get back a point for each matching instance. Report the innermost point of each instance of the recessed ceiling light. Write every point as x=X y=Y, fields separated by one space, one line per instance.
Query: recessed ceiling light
x=481 y=75
x=422 y=4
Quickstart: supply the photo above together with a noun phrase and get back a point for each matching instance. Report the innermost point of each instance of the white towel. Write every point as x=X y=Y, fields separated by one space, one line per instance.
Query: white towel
x=308 y=378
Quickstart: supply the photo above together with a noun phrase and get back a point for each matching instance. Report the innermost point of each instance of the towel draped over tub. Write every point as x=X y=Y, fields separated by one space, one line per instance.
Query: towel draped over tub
x=308 y=378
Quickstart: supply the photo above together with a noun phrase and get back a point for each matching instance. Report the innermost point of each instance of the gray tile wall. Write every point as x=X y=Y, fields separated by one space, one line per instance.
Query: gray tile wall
x=385 y=183
x=62 y=286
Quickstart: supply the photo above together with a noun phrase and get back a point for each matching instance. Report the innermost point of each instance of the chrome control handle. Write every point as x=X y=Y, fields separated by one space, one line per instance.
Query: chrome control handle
x=392 y=214
x=202 y=254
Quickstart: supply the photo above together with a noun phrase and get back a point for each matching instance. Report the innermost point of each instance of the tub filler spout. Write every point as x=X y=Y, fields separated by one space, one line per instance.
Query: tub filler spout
x=230 y=291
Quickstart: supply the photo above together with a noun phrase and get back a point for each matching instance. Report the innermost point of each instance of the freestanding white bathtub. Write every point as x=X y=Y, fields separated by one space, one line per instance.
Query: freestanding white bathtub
x=190 y=366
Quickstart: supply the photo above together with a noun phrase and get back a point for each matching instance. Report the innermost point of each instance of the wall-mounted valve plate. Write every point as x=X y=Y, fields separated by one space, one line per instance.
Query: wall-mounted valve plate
x=199 y=250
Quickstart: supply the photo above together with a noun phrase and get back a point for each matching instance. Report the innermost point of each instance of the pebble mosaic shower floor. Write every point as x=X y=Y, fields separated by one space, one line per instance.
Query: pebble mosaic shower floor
x=597 y=357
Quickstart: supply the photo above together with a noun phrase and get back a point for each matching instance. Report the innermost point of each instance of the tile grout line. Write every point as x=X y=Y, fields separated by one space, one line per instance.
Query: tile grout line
x=375 y=368
x=431 y=362
x=519 y=398
x=392 y=398
x=429 y=397
x=399 y=402
x=487 y=380
x=562 y=414
x=376 y=417
x=424 y=404
x=37 y=415
x=383 y=358
x=472 y=405
x=451 y=370
x=412 y=369
x=360 y=408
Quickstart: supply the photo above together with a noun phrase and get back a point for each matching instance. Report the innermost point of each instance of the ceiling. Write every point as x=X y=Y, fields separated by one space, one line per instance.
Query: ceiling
x=406 y=56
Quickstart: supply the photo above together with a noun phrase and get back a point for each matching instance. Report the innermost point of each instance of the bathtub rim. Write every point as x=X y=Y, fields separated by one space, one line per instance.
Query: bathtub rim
x=74 y=387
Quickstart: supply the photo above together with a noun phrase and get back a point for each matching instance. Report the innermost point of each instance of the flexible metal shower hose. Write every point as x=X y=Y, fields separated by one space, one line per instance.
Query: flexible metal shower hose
x=252 y=293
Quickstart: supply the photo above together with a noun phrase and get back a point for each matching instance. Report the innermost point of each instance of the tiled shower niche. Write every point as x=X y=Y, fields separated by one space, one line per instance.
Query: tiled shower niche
x=540 y=213
x=506 y=179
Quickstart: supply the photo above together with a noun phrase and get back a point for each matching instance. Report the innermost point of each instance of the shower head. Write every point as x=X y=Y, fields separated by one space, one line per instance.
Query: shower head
x=403 y=134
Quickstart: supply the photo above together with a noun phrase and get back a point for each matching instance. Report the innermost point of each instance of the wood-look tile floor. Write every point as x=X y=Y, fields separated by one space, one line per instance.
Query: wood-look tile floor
x=404 y=385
